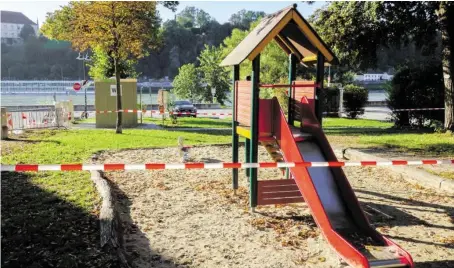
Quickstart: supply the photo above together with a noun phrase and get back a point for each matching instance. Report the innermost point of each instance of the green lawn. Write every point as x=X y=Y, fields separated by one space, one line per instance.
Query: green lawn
x=382 y=135
x=189 y=122
x=182 y=122
x=61 y=208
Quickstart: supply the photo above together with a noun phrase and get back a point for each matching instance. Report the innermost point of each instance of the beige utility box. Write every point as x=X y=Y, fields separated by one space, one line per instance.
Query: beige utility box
x=4 y=124
x=106 y=100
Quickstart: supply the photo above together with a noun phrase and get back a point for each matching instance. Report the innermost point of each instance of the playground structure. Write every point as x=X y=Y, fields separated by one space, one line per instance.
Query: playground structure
x=326 y=190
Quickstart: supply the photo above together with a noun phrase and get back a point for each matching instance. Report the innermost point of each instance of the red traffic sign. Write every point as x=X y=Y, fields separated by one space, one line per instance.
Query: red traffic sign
x=76 y=86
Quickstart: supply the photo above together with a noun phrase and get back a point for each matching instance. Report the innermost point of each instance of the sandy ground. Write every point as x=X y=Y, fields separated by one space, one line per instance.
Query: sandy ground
x=189 y=218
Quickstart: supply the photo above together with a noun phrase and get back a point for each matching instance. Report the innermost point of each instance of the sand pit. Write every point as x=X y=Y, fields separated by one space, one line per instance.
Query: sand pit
x=189 y=218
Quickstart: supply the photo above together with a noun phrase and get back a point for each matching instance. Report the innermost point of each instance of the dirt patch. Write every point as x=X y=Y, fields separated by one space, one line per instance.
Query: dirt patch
x=190 y=218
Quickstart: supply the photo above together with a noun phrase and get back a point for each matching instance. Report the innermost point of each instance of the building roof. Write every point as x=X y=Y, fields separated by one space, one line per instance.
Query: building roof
x=291 y=32
x=15 y=17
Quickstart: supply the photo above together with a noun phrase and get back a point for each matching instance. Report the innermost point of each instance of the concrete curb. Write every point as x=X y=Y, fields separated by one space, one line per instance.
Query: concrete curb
x=110 y=225
x=411 y=174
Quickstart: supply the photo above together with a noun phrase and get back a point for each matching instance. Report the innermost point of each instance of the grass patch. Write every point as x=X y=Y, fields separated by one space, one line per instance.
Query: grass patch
x=190 y=122
x=182 y=122
x=378 y=134
x=50 y=218
x=357 y=123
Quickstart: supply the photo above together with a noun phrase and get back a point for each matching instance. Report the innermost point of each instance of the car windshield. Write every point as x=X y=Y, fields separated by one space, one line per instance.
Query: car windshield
x=183 y=103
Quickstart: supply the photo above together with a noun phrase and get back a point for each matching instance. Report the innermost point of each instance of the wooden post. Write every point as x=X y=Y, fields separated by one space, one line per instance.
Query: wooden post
x=291 y=101
x=141 y=108
x=291 y=78
x=319 y=80
x=254 y=131
x=236 y=77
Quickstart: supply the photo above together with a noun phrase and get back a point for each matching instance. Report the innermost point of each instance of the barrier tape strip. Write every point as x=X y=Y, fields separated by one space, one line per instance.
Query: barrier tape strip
x=397 y=110
x=287 y=86
x=418 y=109
x=157 y=166
x=156 y=112
x=189 y=113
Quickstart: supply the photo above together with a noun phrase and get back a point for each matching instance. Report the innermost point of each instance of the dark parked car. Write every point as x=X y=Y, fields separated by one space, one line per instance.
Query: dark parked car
x=185 y=106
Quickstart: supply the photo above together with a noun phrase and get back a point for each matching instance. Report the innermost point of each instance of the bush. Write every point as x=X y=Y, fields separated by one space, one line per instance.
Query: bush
x=331 y=97
x=416 y=87
x=355 y=98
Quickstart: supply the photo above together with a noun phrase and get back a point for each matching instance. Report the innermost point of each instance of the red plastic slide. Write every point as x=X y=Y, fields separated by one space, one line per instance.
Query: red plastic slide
x=330 y=197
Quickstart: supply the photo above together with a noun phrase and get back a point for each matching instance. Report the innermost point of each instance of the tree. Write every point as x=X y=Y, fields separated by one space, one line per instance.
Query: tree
x=102 y=67
x=186 y=84
x=356 y=30
x=213 y=75
x=273 y=61
x=26 y=32
x=243 y=18
x=191 y=17
x=124 y=29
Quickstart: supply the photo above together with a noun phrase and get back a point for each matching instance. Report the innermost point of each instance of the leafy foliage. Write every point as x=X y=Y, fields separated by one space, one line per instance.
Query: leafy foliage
x=358 y=30
x=355 y=98
x=186 y=84
x=242 y=19
x=273 y=61
x=101 y=66
x=26 y=32
x=121 y=30
x=416 y=87
x=191 y=17
x=213 y=75
x=331 y=97
x=40 y=58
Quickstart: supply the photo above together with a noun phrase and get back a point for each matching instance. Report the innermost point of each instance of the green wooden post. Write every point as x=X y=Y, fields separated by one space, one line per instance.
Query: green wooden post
x=291 y=78
x=247 y=147
x=236 y=77
x=254 y=131
x=319 y=80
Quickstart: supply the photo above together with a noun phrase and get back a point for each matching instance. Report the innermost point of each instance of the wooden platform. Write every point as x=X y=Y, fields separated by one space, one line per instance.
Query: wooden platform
x=246 y=132
x=278 y=192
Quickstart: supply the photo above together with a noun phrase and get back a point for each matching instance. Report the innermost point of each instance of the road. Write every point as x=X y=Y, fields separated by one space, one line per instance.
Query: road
x=375 y=113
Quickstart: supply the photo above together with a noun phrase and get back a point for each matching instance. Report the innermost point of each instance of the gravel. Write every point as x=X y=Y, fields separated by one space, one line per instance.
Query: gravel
x=190 y=218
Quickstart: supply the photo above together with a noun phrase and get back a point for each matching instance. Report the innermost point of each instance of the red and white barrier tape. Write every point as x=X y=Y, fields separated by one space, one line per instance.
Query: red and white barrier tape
x=418 y=109
x=157 y=112
x=398 y=110
x=155 y=166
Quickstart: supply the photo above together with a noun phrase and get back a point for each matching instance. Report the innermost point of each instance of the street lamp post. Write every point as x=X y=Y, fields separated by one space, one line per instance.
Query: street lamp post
x=213 y=92
x=84 y=59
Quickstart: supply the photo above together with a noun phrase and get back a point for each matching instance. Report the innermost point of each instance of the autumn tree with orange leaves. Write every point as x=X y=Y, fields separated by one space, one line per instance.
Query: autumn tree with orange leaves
x=125 y=30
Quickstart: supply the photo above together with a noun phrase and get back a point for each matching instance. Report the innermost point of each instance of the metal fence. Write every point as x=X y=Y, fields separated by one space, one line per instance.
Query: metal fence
x=42 y=118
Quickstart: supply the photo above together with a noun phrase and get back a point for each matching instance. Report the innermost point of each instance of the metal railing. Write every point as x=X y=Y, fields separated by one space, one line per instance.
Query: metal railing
x=35 y=119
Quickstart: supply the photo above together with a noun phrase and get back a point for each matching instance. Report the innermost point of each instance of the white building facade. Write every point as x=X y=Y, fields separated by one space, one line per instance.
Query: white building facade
x=373 y=77
x=12 y=24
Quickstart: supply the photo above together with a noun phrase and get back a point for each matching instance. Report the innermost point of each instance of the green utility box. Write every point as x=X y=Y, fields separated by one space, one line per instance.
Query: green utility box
x=106 y=100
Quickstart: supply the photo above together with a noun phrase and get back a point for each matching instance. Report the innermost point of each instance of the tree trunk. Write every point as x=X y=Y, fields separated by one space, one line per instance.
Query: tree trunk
x=446 y=17
x=119 y=128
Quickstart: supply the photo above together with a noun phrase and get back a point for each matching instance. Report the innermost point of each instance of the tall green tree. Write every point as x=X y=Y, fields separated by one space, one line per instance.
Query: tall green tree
x=213 y=75
x=124 y=29
x=26 y=32
x=356 y=30
x=273 y=61
x=192 y=17
x=186 y=84
x=242 y=19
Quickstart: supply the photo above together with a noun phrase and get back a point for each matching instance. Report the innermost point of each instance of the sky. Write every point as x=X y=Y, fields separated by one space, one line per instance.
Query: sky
x=220 y=10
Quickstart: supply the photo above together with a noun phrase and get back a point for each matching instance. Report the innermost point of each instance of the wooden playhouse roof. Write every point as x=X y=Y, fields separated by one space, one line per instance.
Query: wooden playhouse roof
x=292 y=33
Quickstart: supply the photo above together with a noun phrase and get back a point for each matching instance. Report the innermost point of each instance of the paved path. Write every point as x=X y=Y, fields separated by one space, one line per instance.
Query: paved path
x=375 y=113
